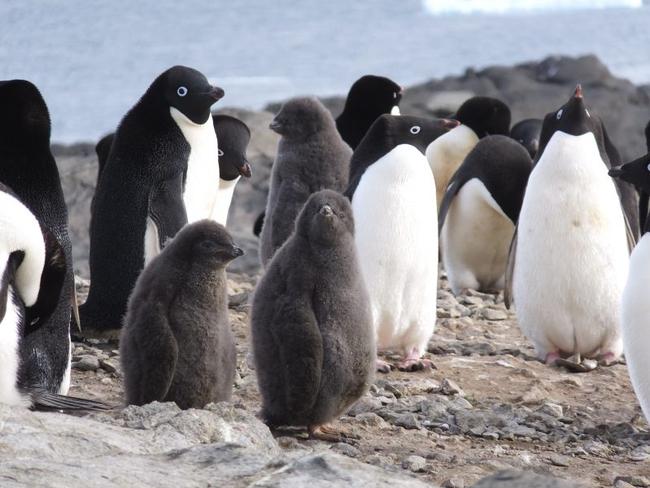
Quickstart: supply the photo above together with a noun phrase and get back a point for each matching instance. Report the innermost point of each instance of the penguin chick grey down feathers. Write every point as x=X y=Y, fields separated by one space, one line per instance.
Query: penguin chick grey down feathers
x=311 y=326
x=311 y=157
x=176 y=344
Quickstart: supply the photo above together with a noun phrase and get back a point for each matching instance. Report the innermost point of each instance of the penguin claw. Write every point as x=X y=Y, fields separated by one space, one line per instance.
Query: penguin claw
x=411 y=365
x=329 y=434
x=383 y=366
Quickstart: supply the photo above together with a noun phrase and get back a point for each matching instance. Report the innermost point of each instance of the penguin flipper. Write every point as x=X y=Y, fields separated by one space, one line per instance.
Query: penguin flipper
x=452 y=189
x=259 y=223
x=510 y=268
x=166 y=208
x=45 y=400
x=74 y=304
x=631 y=239
x=292 y=195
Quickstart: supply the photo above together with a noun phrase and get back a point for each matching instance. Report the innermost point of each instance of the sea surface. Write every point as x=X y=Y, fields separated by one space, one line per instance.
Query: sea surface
x=93 y=59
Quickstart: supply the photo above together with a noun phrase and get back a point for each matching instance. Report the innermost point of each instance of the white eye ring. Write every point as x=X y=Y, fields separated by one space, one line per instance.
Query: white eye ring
x=559 y=114
x=219 y=152
x=648 y=167
x=415 y=129
x=395 y=95
x=181 y=91
x=588 y=114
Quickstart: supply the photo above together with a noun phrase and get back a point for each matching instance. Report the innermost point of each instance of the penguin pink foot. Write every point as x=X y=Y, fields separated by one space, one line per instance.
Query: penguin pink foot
x=551 y=357
x=329 y=434
x=383 y=366
x=413 y=362
x=608 y=359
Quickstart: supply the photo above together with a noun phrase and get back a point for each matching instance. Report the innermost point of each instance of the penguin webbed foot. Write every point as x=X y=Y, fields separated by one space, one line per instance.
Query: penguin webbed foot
x=329 y=434
x=383 y=366
x=415 y=362
x=609 y=359
x=574 y=364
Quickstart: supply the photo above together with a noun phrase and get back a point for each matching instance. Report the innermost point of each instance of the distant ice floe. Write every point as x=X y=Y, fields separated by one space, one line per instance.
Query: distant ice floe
x=511 y=6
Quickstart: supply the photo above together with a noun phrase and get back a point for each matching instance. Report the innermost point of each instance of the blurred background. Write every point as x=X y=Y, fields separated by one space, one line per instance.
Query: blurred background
x=92 y=60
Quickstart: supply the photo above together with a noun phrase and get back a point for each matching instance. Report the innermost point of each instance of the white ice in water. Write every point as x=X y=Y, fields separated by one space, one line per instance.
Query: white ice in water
x=505 y=6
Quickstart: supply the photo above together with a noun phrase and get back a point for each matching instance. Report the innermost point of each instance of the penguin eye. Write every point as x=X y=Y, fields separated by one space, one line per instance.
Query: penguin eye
x=181 y=91
x=395 y=95
x=219 y=152
x=648 y=167
x=587 y=112
x=559 y=114
x=415 y=129
x=208 y=246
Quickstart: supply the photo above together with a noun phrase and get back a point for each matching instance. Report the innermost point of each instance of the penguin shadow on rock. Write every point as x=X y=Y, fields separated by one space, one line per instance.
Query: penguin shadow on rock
x=176 y=343
x=149 y=181
x=393 y=197
x=635 y=304
x=555 y=292
x=369 y=97
x=29 y=169
x=311 y=156
x=311 y=324
x=32 y=273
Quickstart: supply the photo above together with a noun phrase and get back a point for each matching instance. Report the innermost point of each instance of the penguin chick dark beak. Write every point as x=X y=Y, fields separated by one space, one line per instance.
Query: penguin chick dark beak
x=450 y=123
x=216 y=93
x=326 y=211
x=276 y=126
x=245 y=170
x=578 y=92
x=616 y=171
x=237 y=251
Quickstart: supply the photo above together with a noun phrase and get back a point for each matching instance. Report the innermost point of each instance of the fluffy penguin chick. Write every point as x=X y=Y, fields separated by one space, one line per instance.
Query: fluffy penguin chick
x=176 y=343
x=310 y=321
x=311 y=157
x=636 y=306
x=479 y=211
x=569 y=261
x=478 y=117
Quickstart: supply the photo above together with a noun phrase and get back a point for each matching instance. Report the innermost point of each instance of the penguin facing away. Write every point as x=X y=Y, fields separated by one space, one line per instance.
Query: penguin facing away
x=478 y=117
x=526 y=132
x=176 y=344
x=392 y=190
x=139 y=202
x=479 y=212
x=311 y=157
x=233 y=136
x=311 y=324
x=635 y=306
x=28 y=168
x=568 y=302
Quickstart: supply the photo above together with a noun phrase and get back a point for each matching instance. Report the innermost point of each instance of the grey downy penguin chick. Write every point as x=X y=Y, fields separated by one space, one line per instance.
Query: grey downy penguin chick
x=176 y=343
x=311 y=323
x=311 y=157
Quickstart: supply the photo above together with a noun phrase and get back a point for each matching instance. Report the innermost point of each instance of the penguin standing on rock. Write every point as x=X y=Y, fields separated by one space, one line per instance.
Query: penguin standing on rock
x=479 y=117
x=28 y=168
x=569 y=258
x=311 y=324
x=479 y=212
x=393 y=191
x=233 y=136
x=635 y=305
x=176 y=344
x=311 y=157
x=139 y=202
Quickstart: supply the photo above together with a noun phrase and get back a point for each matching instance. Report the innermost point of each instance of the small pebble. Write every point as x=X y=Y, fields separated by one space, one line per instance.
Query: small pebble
x=639 y=481
x=449 y=387
x=86 y=363
x=108 y=365
x=416 y=464
x=454 y=482
x=494 y=314
x=559 y=460
x=347 y=450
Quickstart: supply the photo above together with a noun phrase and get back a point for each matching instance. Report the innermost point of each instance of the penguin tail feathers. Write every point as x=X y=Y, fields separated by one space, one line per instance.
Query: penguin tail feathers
x=45 y=400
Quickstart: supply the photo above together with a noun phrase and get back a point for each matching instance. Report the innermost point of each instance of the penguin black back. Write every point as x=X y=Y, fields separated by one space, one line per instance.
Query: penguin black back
x=103 y=149
x=526 y=132
x=369 y=97
x=485 y=116
x=388 y=132
x=233 y=136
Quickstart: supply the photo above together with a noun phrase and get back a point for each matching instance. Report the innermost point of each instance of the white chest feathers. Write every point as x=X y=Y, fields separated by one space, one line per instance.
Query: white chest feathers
x=9 y=354
x=224 y=198
x=396 y=238
x=446 y=154
x=200 y=190
x=636 y=323
x=572 y=258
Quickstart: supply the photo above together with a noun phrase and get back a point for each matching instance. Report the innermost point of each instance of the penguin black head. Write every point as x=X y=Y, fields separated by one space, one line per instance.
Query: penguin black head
x=527 y=133
x=233 y=136
x=325 y=217
x=302 y=117
x=188 y=91
x=636 y=172
x=485 y=116
x=373 y=95
x=204 y=242
x=103 y=148
x=24 y=118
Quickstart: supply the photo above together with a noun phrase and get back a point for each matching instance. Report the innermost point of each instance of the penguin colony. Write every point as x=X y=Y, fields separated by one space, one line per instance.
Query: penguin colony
x=359 y=210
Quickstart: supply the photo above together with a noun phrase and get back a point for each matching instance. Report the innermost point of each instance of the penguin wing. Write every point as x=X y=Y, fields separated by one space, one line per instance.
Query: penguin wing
x=452 y=189
x=300 y=346
x=510 y=268
x=259 y=223
x=44 y=400
x=166 y=208
x=292 y=195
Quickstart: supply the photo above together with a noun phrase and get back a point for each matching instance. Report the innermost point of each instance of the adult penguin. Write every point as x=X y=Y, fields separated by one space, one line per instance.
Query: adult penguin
x=139 y=202
x=526 y=132
x=644 y=196
x=28 y=168
x=569 y=258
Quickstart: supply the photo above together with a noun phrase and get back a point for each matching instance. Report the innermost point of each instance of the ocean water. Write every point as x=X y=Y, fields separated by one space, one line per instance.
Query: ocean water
x=92 y=60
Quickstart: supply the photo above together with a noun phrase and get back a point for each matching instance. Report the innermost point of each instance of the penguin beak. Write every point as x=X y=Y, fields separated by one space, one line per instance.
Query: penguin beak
x=276 y=126
x=216 y=93
x=616 y=171
x=326 y=211
x=450 y=123
x=245 y=169
x=237 y=251
x=578 y=92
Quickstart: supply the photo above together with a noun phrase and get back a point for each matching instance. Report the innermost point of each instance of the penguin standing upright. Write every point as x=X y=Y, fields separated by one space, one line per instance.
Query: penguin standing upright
x=393 y=191
x=479 y=212
x=635 y=305
x=569 y=257
x=478 y=117
x=28 y=168
x=139 y=201
x=233 y=136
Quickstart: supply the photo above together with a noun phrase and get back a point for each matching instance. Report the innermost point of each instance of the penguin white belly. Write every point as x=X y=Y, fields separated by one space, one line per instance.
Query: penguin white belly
x=200 y=190
x=446 y=154
x=395 y=233
x=572 y=258
x=475 y=240
x=10 y=354
x=224 y=198
x=67 y=375
x=151 y=241
x=636 y=322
